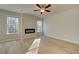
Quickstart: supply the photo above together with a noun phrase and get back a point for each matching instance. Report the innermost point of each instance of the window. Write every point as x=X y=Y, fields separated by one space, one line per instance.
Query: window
x=12 y=25
x=39 y=26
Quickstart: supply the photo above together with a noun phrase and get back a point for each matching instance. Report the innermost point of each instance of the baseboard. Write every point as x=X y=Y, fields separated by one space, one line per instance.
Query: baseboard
x=75 y=42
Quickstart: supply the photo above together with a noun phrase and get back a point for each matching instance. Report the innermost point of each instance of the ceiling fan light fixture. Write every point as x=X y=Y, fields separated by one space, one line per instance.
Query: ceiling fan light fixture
x=42 y=10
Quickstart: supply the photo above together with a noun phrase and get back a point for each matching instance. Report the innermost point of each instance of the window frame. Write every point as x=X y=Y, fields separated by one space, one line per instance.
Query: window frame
x=39 y=26
x=17 y=26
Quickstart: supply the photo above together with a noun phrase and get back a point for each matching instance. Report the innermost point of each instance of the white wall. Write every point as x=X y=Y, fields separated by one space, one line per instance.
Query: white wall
x=3 y=25
x=64 y=25
x=27 y=21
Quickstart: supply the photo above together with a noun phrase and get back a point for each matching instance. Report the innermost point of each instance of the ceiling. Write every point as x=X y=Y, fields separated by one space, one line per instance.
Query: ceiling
x=28 y=8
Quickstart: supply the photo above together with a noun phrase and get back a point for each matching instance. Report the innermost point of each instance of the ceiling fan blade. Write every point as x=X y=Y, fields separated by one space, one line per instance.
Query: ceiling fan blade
x=48 y=6
x=47 y=10
x=36 y=10
x=38 y=5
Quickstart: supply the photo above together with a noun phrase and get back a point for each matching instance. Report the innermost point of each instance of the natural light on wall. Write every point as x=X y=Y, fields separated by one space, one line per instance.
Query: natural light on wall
x=39 y=26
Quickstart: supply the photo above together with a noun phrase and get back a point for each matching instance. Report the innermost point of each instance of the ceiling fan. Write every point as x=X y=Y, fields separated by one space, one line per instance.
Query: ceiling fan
x=43 y=8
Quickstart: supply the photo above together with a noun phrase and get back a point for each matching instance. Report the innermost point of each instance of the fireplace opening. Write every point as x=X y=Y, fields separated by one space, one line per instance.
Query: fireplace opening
x=28 y=31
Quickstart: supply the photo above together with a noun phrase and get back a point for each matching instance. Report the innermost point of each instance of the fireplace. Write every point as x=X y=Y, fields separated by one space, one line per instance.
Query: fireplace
x=28 y=31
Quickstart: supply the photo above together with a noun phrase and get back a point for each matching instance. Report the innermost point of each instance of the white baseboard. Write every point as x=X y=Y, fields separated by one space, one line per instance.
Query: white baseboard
x=75 y=42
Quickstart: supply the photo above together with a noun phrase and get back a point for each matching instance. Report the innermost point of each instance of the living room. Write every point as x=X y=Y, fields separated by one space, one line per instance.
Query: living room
x=24 y=30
